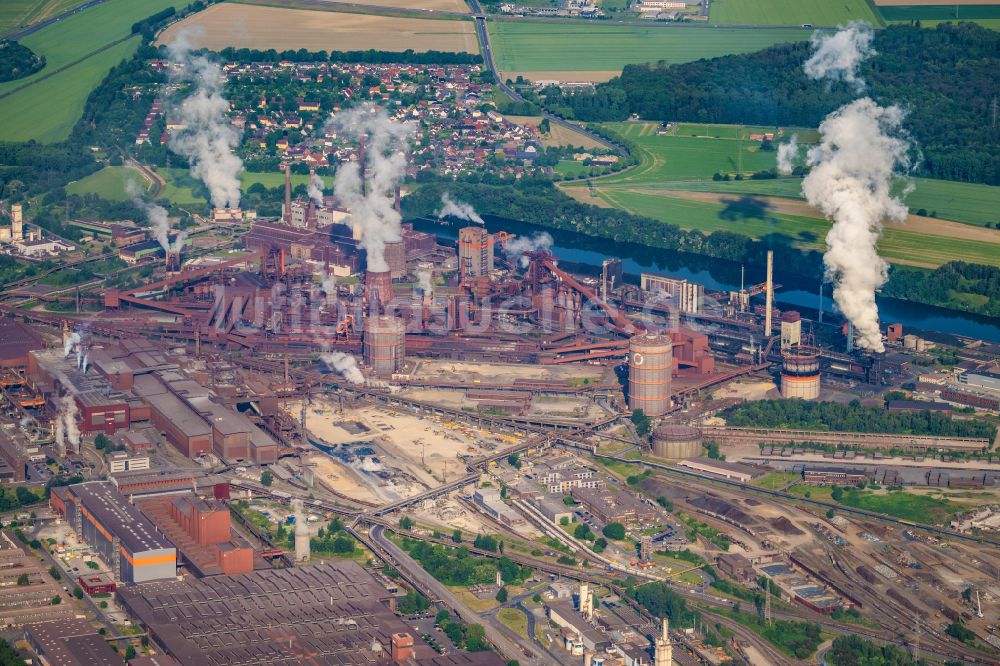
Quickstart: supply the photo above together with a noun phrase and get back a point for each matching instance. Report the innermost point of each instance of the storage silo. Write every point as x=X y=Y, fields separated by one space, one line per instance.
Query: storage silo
x=385 y=345
x=677 y=441
x=650 y=365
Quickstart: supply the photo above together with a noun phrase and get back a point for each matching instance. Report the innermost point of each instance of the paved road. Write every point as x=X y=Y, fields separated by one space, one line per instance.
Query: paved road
x=487 y=49
x=414 y=571
x=41 y=24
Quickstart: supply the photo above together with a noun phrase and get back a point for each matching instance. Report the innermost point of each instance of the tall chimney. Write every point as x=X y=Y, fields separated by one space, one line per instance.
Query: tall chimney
x=396 y=201
x=287 y=213
x=770 y=294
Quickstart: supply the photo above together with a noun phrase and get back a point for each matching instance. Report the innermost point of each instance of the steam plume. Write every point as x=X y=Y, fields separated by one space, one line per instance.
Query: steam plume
x=458 y=209
x=316 y=187
x=157 y=216
x=787 y=152
x=838 y=56
x=372 y=206
x=207 y=138
x=345 y=364
x=66 y=428
x=861 y=146
x=540 y=240
x=73 y=340
x=424 y=282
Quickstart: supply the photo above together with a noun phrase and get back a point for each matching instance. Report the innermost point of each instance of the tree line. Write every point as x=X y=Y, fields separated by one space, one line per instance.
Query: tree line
x=944 y=77
x=852 y=417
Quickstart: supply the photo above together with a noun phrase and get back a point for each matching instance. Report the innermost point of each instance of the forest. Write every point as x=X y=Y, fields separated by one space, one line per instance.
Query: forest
x=851 y=417
x=854 y=650
x=946 y=285
x=18 y=61
x=945 y=79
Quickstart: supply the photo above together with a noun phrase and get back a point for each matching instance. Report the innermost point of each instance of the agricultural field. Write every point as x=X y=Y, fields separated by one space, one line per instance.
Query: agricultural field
x=673 y=183
x=16 y=15
x=110 y=183
x=31 y=114
x=984 y=12
x=558 y=135
x=259 y=27
x=789 y=12
x=577 y=52
x=79 y=51
x=420 y=5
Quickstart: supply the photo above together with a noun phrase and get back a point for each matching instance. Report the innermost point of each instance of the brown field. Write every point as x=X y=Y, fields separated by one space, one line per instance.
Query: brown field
x=558 y=135
x=892 y=3
x=914 y=223
x=569 y=75
x=360 y=5
x=257 y=27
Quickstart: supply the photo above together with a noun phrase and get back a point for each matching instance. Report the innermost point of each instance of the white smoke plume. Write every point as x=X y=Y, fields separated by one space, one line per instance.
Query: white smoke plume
x=424 y=283
x=315 y=188
x=516 y=248
x=458 y=209
x=345 y=364
x=208 y=138
x=66 y=428
x=838 y=56
x=372 y=203
x=301 y=526
x=73 y=340
x=861 y=146
x=157 y=216
x=329 y=283
x=787 y=154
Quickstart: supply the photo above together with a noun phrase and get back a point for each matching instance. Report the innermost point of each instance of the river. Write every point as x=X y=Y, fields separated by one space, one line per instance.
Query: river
x=585 y=254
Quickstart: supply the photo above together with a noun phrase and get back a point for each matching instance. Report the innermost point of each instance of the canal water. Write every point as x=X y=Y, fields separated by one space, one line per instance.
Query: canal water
x=585 y=254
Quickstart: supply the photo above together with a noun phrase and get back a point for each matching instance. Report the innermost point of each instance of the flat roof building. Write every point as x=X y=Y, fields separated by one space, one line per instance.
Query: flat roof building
x=126 y=540
x=70 y=642
x=734 y=471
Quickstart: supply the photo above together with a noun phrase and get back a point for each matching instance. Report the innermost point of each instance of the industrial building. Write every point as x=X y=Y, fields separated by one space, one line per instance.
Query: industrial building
x=726 y=470
x=800 y=375
x=614 y=505
x=70 y=642
x=125 y=539
x=333 y=612
x=22 y=605
x=791 y=330
x=687 y=296
x=650 y=367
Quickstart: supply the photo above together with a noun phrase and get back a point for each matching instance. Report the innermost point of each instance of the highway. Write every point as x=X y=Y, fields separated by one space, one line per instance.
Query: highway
x=487 y=52
x=47 y=22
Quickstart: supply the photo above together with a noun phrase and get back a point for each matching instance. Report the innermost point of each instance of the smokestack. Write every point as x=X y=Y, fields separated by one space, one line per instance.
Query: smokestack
x=16 y=222
x=770 y=294
x=288 y=194
x=395 y=201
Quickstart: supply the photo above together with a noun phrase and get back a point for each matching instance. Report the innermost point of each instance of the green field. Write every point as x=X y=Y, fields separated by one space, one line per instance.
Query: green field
x=18 y=14
x=943 y=12
x=79 y=51
x=34 y=113
x=789 y=12
x=108 y=183
x=918 y=508
x=514 y=619
x=524 y=46
x=685 y=159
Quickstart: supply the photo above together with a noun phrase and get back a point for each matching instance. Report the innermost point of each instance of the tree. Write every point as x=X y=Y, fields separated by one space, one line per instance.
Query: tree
x=564 y=521
x=441 y=617
x=130 y=653
x=502 y=595
x=614 y=531
x=23 y=579
x=267 y=478
x=569 y=501
x=456 y=536
x=56 y=600
x=537 y=598
x=54 y=572
x=406 y=523
x=837 y=493
x=475 y=640
x=78 y=592
x=641 y=422
x=583 y=532
x=102 y=441
x=514 y=460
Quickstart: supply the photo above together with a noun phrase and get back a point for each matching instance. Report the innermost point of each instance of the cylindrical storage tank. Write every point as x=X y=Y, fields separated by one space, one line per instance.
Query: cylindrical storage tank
x=800 y=373
x=677 y=441
x=650 y=364
x=395 y=256
x=378 y=287
x=921 y=345
x=385 y=345
x=910 y=342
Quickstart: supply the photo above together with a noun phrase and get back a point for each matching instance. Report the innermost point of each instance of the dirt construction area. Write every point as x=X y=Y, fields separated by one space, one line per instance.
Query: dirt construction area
x=255 y=27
